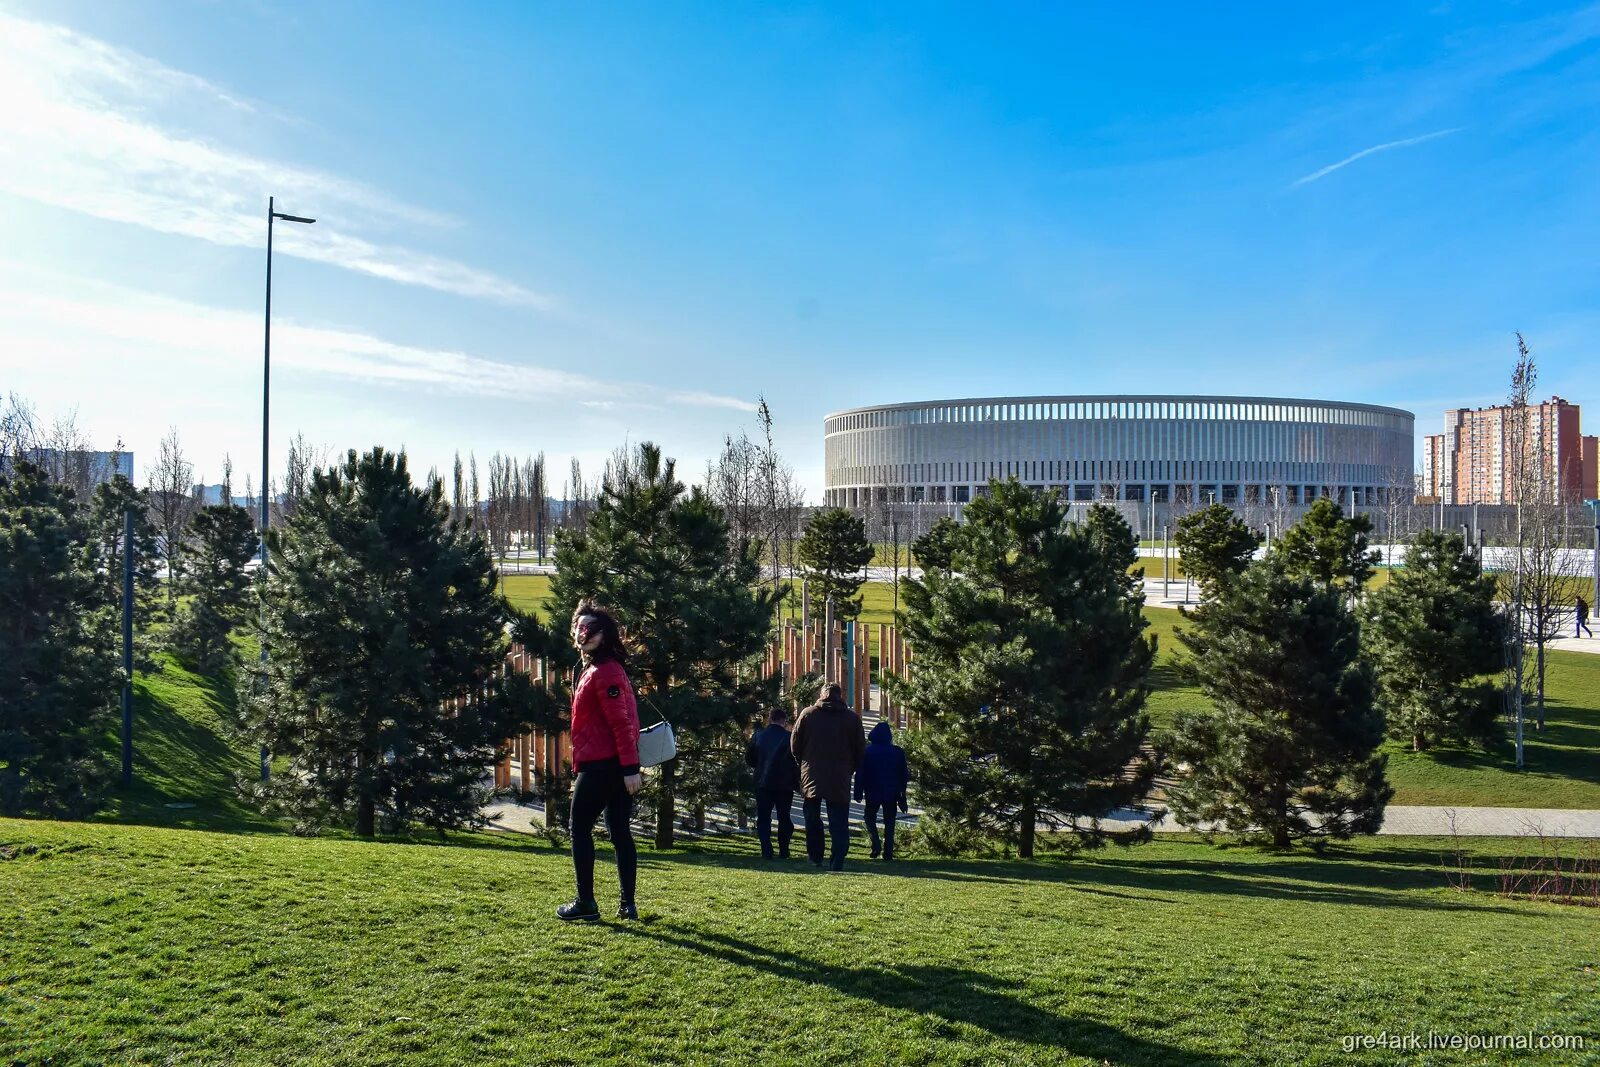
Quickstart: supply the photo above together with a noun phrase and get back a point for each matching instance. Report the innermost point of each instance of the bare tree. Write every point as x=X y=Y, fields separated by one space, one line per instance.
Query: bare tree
x=296 y=474
x=227 y=479
x=172 y=502
x=19 y=431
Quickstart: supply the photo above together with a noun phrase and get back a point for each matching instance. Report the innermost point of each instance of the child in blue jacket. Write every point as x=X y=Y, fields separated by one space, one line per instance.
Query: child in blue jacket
x=881 y=784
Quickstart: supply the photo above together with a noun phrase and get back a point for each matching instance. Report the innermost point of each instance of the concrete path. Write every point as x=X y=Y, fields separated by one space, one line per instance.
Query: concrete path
x=1424 y=821
x=1399 y=821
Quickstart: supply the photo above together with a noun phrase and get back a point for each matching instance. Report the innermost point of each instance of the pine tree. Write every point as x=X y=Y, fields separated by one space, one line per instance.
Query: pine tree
x=1289 y=749
x=1329 y=548
x=219 y=543
x=833 y=552
x=694 y=611
x=935 y=550
x=1432 y=633
x=58 y=664
x=378 y=610
x=1215 y=545
x=1030 y=672
x=111 y=500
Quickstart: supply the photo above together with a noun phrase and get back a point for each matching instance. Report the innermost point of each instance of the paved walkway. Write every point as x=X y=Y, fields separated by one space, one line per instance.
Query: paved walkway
x=1399 y=821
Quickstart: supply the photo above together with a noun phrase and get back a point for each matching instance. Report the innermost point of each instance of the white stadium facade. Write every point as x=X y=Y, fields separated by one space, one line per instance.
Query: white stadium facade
x=1235 y=450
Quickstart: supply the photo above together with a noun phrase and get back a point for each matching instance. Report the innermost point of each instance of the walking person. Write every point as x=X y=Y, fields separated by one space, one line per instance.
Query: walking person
x=1581 y=614
x=605 y=753
x=828 y=745
x=881 y=786
x=776 y=777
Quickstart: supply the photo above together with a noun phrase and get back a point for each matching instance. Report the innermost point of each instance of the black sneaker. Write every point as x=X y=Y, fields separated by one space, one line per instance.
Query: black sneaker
x=626 y=910
x=579 y=911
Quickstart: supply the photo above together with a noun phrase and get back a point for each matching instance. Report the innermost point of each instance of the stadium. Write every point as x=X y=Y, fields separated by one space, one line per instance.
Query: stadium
x=1236 y=450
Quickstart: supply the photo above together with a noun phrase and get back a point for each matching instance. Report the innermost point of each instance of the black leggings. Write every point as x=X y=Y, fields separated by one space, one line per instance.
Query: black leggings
x=599 y=788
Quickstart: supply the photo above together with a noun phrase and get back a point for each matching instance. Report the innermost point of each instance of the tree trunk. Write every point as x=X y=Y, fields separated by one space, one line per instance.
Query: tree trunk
x=1029 y=822
x=664 y=805
x=366 y=804
x=1539 y=714
x=1280 y=835
x=1417 y=743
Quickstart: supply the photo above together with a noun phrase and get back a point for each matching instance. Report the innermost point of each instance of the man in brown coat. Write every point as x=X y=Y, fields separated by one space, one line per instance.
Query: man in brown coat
x=828 y=745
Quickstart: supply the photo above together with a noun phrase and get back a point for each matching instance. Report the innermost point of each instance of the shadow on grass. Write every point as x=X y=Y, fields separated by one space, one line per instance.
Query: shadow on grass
x=996 y=1006
x=1386 y=879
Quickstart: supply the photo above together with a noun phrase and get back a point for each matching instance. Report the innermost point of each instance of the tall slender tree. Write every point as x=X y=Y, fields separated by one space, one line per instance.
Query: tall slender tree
x=172 y=501
x=1030 y=672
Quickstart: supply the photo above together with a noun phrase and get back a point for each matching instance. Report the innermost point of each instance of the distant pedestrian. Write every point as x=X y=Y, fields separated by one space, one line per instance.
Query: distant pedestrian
x=605 y=753
x=1582 y=615
x=828 y=746
x=776 y=777
x=881 y=786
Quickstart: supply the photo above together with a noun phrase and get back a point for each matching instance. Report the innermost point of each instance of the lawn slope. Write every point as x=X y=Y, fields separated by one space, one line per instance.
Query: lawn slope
x=152 y=945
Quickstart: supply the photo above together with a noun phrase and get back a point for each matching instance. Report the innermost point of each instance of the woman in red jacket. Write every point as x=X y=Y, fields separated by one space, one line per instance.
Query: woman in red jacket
x=605 y=753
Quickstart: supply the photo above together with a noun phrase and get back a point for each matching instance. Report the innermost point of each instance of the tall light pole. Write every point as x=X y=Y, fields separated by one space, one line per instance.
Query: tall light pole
x=266 y=395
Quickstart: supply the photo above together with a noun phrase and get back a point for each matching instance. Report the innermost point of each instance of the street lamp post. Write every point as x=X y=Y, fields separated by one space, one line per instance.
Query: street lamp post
x=266 y=394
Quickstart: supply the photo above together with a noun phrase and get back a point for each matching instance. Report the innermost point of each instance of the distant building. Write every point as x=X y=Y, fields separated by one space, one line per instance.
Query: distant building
x=212 y=494
x=1474 y=460
x=1234 y=450
x=82 y=469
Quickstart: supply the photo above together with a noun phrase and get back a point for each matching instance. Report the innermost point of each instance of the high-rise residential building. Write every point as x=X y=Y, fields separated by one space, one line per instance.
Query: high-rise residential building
x=1474 y=460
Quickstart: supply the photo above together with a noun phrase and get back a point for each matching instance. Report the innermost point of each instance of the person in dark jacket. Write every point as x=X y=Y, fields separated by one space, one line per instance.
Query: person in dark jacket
x=828 y=745
x=881 y=786
x=776 y=776
x=605 y=753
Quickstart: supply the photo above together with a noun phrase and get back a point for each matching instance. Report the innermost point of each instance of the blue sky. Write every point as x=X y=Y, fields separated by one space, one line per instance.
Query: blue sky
x=562 y=227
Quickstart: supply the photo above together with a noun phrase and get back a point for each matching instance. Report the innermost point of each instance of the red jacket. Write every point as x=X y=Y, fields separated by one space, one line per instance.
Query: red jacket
x=605 y=718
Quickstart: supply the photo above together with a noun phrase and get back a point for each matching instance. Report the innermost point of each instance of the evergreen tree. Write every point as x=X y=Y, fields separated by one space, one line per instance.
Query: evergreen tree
x=1290 y=748
x=833 y=552
x=58 y=661
x=936 y=549
x=1433 y=632
x=1329 y=547
x=377 y=611
x=110 y=500
x=218 y=543
x=1214 y=545
x=1030 y=672
x=694 y=612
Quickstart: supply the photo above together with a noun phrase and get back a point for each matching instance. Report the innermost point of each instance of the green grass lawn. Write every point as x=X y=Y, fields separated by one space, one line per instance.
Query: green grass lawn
x=185 y=763
x=1561 y=763
x=152 y=945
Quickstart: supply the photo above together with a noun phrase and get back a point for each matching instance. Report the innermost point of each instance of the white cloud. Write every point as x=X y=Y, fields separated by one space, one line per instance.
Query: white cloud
x=38 y=318
x=712 y=400
x=77 y=132
x=1386 y=146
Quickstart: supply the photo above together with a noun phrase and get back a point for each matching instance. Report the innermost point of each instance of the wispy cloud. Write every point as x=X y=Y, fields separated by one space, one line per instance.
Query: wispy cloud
x=58 y=318
x=80 y=130
x=1375 y=149
x=711 y=400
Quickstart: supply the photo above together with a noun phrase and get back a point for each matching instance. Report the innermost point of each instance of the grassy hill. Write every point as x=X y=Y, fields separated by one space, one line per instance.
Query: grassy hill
x=147 y=945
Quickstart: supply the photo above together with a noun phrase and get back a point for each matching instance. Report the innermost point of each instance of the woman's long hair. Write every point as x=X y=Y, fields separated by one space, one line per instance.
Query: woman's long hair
x=611 y=646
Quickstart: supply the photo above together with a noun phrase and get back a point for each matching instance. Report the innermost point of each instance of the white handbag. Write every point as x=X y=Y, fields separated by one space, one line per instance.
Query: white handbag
x=656 y=744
